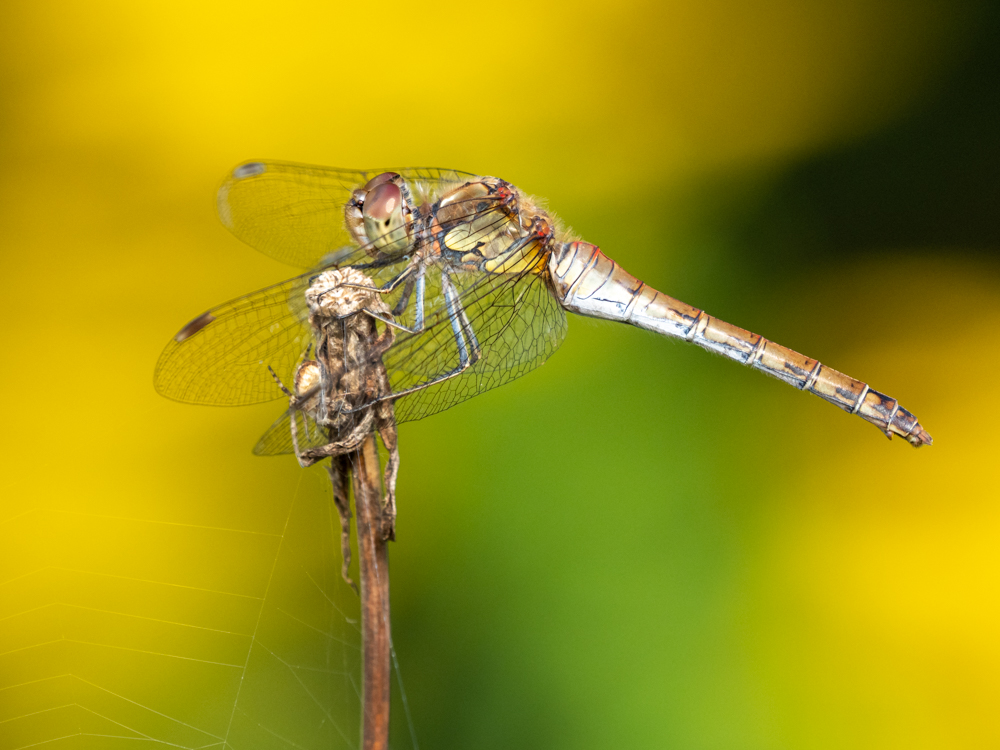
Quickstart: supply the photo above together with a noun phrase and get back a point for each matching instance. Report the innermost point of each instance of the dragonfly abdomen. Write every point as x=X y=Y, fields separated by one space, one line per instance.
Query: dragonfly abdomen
x=807 y=374
x=590 y=283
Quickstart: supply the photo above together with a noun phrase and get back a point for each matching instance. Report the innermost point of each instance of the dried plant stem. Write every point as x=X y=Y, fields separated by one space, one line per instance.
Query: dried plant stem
x=373 y=566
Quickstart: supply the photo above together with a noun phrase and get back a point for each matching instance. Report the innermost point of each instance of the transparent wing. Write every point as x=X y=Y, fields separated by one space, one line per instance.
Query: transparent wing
x=221 y=357
x=278 y=438
x=294 y=213
x=515 y=318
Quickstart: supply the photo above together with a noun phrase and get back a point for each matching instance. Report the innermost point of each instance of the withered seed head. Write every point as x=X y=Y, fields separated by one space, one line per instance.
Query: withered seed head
x=339 y=293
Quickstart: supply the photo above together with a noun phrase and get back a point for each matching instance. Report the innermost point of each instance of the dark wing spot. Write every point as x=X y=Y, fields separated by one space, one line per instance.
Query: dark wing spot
x=250 y=169
x=193 y=327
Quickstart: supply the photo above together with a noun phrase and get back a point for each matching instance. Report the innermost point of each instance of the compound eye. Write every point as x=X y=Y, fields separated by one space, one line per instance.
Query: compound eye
x=384 y=218
x=381 y=179
x=383 y=202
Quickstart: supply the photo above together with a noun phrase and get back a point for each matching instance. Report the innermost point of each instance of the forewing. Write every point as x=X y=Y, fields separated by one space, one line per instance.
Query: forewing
x=294 y=213
x=517 y=321
x=221 y=358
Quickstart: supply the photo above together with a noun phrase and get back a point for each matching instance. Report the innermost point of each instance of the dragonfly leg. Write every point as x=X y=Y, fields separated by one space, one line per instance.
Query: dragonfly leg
x=418 y=312
x=476 y=352
x=404 y=299
x=468 y=345
x=407 y=276
x=469 y=351
x=338 y=448
x=419 y=285
x=382 y=344
x=390 y=286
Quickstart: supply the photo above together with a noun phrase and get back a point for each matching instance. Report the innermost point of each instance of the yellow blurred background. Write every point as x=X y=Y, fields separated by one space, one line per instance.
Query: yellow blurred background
x=638 y=545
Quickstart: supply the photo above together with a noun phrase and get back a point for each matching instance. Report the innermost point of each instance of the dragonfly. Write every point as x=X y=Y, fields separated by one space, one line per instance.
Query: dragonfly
x=472 y=275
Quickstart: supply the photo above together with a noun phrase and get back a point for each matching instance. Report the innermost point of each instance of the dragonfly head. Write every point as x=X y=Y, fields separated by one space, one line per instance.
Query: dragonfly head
x=379 y=215
x=384 y=217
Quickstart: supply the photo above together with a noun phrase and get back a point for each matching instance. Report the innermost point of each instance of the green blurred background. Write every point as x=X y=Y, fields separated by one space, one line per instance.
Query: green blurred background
x=638 y=545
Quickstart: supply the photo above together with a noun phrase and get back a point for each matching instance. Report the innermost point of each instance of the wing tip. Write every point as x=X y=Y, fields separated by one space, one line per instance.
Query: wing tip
x=243 y=171
x=193 y=326
x=249 y=169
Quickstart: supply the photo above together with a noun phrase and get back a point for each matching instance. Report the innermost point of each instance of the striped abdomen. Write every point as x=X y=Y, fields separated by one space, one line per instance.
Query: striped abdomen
x=586 y=281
